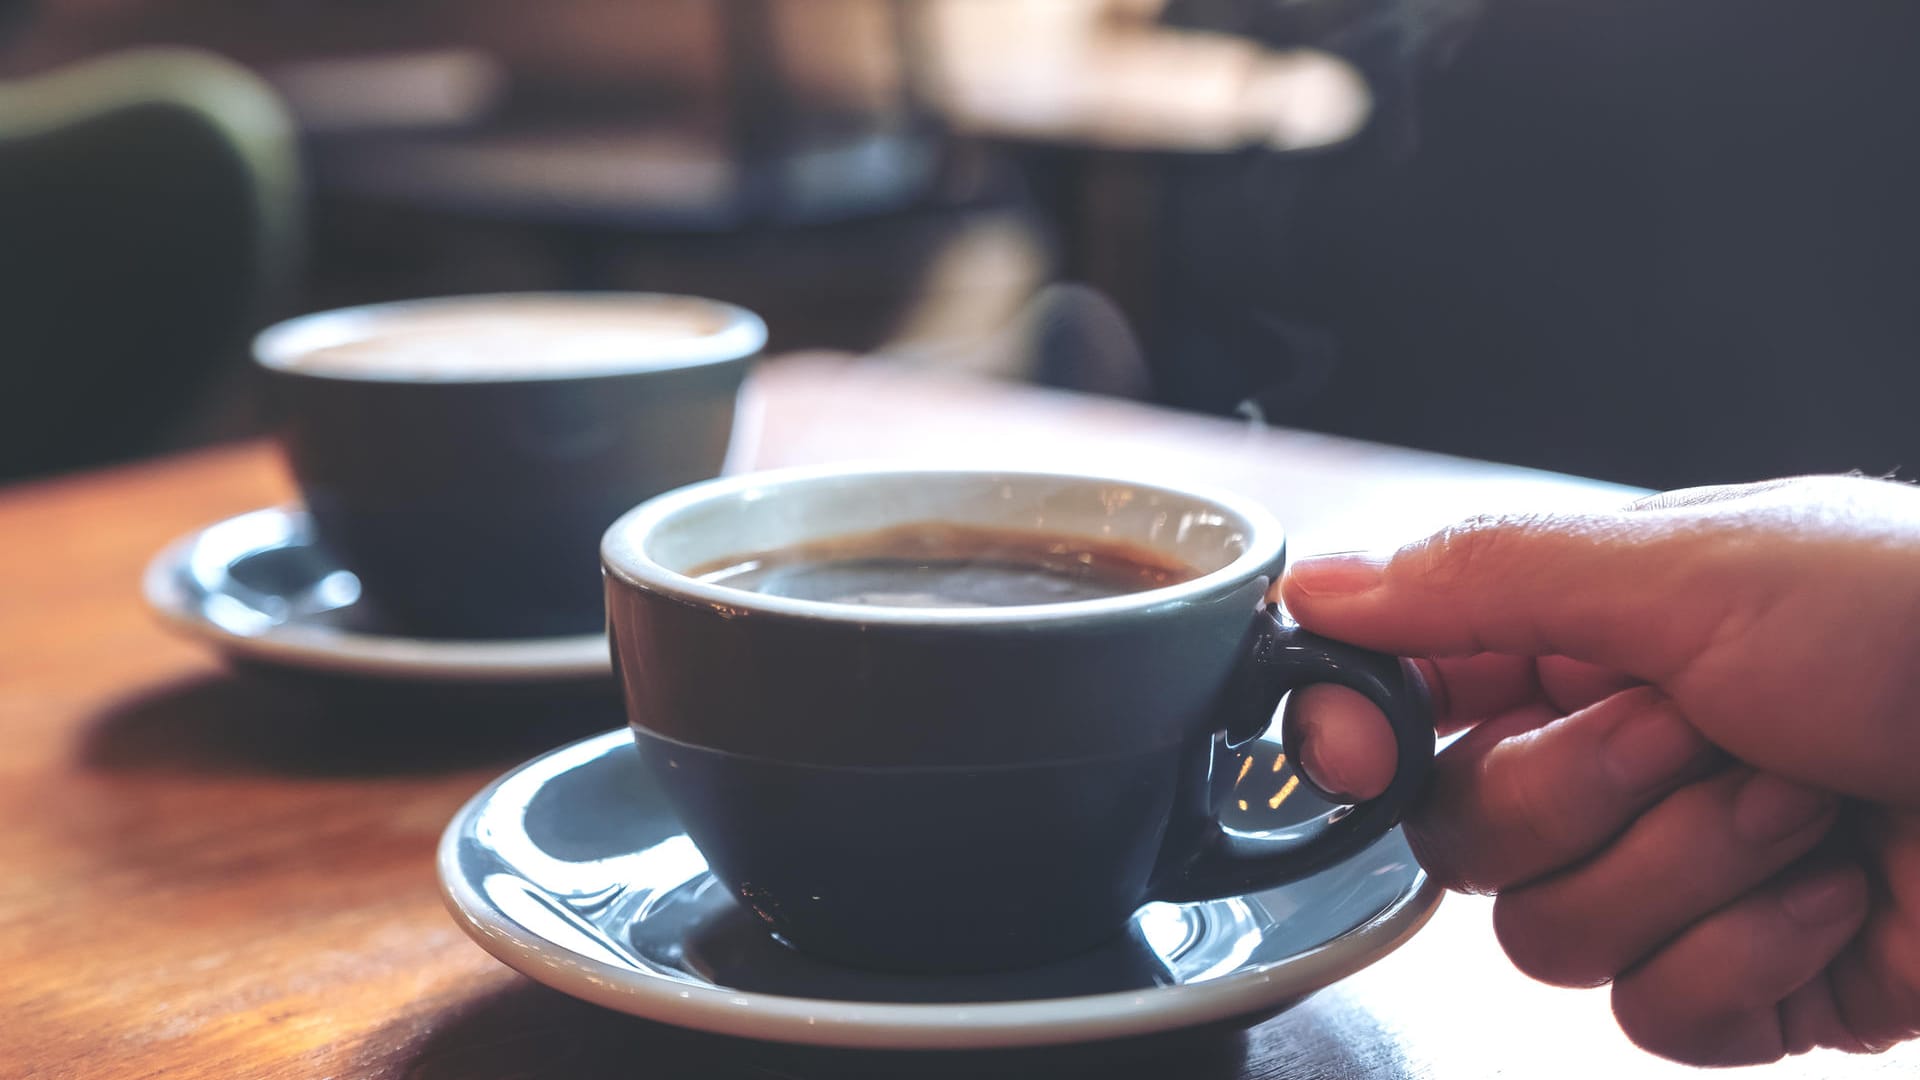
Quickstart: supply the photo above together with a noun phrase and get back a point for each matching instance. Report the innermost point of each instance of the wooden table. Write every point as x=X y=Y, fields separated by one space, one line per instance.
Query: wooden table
x=210 y=875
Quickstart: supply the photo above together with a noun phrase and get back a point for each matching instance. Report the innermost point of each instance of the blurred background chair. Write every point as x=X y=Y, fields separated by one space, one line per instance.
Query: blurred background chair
x=149 y=223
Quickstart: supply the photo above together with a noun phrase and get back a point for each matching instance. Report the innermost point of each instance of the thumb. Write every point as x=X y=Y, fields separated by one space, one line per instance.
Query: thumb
x=1632 y=592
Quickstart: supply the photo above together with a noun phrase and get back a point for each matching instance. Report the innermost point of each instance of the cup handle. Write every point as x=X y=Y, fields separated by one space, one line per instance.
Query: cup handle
x=1282 y=657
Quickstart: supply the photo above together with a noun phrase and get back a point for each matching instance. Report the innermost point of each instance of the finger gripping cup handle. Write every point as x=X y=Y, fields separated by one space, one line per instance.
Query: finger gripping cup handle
x=1283 y=657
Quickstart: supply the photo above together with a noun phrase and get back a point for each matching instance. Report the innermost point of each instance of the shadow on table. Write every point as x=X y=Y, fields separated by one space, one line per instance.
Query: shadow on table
x=247 y=722
x=531 y=1031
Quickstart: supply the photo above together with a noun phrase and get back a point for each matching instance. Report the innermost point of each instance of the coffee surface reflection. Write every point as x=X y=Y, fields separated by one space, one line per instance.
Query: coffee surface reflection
x=945 y=565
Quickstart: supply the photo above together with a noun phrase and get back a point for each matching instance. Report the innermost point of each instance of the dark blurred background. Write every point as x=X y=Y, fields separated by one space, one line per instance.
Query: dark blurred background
x=1652 y=242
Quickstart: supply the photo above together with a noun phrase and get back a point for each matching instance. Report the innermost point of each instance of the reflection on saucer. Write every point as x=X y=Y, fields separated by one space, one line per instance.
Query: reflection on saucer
x=573 y=870
x=258 y=571
x=259 y=588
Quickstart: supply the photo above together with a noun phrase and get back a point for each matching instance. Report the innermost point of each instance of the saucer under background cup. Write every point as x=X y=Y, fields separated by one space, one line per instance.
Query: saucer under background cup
x=573 y=870
x=258 y=588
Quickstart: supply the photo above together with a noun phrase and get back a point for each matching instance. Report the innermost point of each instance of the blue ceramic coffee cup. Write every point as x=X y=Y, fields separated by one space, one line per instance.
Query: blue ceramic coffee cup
x=463 y=455
x=943 y=788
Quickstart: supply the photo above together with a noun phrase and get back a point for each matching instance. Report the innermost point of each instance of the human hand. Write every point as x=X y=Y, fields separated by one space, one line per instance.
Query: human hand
x=1691 y=760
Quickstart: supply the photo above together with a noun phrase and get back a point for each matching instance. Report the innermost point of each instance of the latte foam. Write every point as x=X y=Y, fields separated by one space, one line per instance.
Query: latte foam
x=511 y=337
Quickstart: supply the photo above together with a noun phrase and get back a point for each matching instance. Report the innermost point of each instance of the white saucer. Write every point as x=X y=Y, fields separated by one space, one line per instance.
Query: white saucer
x=258 y=588
x=572 y=870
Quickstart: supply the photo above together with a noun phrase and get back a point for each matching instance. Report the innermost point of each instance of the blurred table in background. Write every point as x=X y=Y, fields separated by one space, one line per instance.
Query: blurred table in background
x=217 y=875
x=488 y=145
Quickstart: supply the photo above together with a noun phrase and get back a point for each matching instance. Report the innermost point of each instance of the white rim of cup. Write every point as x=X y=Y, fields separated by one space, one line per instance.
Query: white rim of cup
x=623 y=552
x=742 y=335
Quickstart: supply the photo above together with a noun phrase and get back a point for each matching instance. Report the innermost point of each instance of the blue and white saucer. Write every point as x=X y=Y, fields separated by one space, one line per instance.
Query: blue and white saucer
x=572 y=870
x=259 y=589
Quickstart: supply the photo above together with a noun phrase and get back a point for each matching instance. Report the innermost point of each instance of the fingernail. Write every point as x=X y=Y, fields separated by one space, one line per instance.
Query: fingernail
x=1649 y=748
x=1342 y=573
x=1828 y=896
x=1767 y=808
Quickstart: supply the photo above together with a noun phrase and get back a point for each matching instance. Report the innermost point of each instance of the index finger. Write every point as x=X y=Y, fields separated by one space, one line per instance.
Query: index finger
x=1571 y=585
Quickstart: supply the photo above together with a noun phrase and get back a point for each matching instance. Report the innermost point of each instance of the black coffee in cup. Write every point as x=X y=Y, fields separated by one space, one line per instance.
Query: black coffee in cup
x=937 y=564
